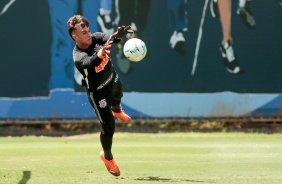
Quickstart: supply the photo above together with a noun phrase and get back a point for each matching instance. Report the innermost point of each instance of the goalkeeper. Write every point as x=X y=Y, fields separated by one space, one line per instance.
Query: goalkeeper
x=103 y=85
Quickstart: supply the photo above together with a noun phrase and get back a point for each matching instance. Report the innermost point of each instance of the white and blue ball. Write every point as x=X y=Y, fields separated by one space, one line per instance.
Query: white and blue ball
x=135 y=49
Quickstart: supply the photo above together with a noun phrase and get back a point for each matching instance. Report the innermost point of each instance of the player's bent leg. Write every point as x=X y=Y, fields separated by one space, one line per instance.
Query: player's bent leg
x=110 y=165
x=121 y=115
x=116 y=108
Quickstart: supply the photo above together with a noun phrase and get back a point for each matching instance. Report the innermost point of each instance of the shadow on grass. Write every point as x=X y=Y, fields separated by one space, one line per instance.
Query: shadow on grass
x=25 y=178
x=156 y=178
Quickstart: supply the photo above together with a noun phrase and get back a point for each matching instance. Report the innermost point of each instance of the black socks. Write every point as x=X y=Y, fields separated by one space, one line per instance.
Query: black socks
x=108 y=154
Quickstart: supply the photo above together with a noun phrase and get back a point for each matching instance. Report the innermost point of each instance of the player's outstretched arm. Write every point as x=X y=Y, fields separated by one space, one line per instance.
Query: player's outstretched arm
x=103 y=51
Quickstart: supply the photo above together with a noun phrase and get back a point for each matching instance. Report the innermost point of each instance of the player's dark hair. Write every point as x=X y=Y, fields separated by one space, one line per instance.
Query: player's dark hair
x=76 y=20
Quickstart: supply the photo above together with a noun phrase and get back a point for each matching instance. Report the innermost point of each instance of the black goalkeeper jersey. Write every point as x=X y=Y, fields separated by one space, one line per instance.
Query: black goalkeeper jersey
x=95 y=71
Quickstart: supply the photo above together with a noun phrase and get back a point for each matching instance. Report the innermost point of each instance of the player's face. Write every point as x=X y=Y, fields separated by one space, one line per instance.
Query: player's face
x=83 y=36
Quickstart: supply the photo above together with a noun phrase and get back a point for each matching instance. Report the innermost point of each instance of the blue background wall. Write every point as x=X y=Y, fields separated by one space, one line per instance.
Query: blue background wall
x=159 y=86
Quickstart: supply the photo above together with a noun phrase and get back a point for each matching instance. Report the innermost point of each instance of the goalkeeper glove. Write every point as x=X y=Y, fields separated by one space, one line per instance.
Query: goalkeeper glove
x=104 y=50
x=122 y=31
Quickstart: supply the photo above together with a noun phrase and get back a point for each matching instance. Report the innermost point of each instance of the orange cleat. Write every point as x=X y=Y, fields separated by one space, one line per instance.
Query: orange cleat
x=122 y=116
x=110 y=165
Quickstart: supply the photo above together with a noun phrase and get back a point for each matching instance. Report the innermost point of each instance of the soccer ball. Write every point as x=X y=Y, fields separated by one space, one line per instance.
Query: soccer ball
x=135 y=49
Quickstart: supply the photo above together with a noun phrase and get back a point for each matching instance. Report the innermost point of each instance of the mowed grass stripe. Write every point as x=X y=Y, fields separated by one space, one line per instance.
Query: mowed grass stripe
x=145 y=158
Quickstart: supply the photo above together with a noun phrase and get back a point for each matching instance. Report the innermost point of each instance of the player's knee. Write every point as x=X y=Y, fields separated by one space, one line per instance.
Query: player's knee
x=109 y=130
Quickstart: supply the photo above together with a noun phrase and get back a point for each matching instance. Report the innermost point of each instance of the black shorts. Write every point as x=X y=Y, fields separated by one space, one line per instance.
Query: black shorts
x=104 y=99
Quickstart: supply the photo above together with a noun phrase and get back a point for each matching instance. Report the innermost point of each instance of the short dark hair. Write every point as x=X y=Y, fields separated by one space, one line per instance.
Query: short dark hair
x=76 y=20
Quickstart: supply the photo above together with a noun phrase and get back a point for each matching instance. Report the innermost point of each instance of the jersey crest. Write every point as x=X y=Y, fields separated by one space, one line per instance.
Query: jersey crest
x=102 y=103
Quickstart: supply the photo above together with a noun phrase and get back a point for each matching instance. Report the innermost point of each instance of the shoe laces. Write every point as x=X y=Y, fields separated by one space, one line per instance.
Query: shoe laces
x=229 y=52
x=176 y=37
x=107 y=18
x=172 y=36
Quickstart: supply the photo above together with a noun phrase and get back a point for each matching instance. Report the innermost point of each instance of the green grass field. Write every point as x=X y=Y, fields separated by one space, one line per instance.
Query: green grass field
x=225 y=158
